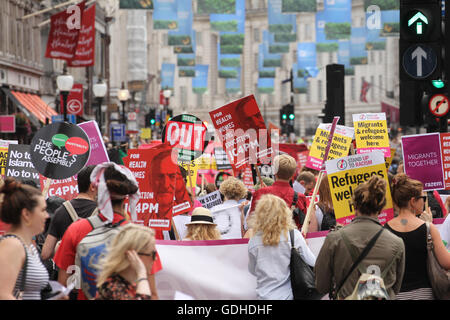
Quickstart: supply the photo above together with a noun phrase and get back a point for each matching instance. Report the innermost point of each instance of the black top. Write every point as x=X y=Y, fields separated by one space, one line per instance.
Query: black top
x=62 y=220
x=416 y=275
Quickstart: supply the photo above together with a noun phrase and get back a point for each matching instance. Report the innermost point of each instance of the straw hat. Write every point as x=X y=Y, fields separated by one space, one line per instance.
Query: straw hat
x=201 y=215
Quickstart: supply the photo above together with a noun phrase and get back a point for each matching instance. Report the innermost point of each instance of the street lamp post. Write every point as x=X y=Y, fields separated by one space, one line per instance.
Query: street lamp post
x=123 y=96
x=166 y=93
x=65 y=84
x=99 y=89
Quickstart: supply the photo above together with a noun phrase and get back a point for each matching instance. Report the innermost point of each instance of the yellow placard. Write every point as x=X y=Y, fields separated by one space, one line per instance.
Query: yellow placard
x=389 y=159
x=192 y=169
x=371 y=133
x=146 y=133
x=344 y=176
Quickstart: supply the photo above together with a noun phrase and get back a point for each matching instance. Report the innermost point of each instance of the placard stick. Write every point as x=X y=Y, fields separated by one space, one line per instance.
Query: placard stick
x=190 y=181
x=305 y=226
x=203 y=182
x=263 y=185
x=46 y=186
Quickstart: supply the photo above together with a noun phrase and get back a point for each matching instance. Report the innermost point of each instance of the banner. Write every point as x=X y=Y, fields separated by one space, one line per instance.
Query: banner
x=74 y=101
x=162 y=189
x=340 y=145
x=183 y=35
x=165 y=15
x=243 y=133
x=85 y=50
x=167 y=76
x=307 y=60
x=98 y=150
x=62 y=41
x=422 y=160
x=358 y=51
x=4 y=146
x=222 y=161
x=298 y=5
x=344 y=176
x=228 y=220
x=136 y=4
x=371 y=133
x=19 y=165
x=200 y=82
x=297 y=151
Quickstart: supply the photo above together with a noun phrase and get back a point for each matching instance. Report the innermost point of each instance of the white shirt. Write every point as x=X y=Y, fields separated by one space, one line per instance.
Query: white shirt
x=270 y=265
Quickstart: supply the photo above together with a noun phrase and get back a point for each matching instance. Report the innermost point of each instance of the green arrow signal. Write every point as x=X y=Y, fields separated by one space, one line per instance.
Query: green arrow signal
x=419 y=27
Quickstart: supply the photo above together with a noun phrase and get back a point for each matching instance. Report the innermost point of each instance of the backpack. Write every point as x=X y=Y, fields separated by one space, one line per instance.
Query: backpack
x=370 y=286
x=90 y=249
x=296 y=212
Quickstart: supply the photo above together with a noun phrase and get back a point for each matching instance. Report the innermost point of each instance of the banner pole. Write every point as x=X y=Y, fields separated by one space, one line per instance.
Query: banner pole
x=261 y=182
x=305 y=226
x=46 y=186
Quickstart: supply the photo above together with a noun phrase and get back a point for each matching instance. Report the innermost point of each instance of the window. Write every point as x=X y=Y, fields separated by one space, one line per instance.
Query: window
x=372 y=57
x=380 y=56
x=199 y=38
x=256 y=35
x=380 y=85
x=330 y=57
x=372 y=89
x=199 y=100
x=308 y=33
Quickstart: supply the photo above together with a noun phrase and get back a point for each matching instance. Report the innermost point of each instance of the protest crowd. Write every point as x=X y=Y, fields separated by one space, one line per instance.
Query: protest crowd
x=364 y=220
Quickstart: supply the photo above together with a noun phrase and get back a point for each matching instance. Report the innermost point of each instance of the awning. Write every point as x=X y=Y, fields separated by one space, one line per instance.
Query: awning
x=35 y=105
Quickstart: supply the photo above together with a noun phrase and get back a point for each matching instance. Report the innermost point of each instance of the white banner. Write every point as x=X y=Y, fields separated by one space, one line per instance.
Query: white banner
x=213 y=270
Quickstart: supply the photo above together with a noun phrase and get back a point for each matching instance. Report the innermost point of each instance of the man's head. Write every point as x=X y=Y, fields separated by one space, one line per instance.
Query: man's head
x=84 y=181
x=284 y=167
x=163 y=175
x=307 y=180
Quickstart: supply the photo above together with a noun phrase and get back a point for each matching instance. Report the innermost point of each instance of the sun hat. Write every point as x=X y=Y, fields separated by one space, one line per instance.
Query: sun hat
x=201 y=215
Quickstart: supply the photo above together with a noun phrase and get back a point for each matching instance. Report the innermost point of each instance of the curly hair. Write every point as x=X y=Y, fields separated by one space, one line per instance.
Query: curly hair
x=370 y=197
x=233 y=189
x=272 y=217
x=202 y=232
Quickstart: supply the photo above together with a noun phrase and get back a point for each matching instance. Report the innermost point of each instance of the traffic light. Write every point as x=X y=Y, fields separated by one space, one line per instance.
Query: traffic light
x=287 y=118
x=420 y=40
x=283 y=117
x=150 y=118
x=335 y=104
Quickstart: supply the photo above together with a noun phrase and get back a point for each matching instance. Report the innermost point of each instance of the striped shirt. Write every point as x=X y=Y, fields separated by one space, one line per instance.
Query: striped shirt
x=418 y=294
x=36 y=278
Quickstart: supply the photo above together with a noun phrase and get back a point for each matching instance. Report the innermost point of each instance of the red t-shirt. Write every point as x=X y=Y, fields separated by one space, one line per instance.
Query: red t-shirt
x=283 y=190
x=65 y=255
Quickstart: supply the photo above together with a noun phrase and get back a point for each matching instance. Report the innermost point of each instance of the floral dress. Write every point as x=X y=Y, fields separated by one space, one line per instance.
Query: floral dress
x=117 y=288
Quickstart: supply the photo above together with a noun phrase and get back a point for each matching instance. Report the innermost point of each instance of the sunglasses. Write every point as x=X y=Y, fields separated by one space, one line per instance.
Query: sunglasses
x=424 y=198
x=151 y=254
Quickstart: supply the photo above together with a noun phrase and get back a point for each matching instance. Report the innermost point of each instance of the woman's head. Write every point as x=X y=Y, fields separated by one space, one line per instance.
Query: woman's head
x=233 y=189
x=369 y=197
x=325 y=193
x=271 y=217
x=405 y=191
x=130 y=237
x=119 y=186
x=202 y=226
x=23 y=206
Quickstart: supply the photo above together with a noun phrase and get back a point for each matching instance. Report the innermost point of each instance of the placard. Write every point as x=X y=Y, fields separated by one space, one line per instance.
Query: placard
x=371 y=133
x=98 y=150
x=344 y=176
x=19 y=165
x=60 y=150
x=422 y=160
x=445 y=148
x=210 y=200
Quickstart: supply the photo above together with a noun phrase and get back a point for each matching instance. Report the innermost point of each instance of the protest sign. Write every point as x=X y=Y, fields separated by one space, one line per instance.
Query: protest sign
x=4 y=145
x=344 y=176
x=60 y=150
x=98 y=150
x=63 y=188
x=146 y=133
x=210 y=200
x=222 y=161
x=371 y=133
x=445 y=147
x=162 y=189
x=422 y=160
x=227 y=216
x=186 y=134
x=74 y=101
x=243 y=133
x=62 y=41
x=247 y=178
x=19 y=165
x=298 y=151
x=389 y=159
x=339 y=146
x=192 y=170
x=8 y=124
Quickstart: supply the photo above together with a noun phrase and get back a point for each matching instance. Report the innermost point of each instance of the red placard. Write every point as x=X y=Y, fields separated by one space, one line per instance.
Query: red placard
x=243 y=133
x=62 y=41
x=162 y=189
x=63 y=188
x=74 y=100
x=85 y=49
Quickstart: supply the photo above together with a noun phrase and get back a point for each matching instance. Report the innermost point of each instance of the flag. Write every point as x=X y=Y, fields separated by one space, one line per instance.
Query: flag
x=364 y=89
